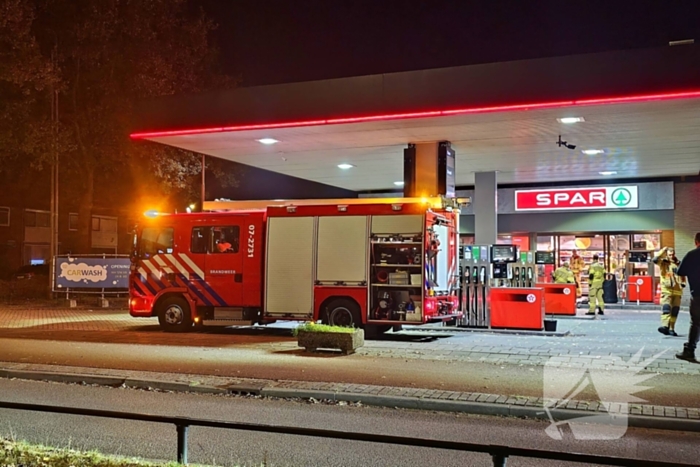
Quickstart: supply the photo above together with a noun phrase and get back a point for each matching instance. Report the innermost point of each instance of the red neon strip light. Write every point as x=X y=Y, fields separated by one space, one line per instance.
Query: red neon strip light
x=427 y=114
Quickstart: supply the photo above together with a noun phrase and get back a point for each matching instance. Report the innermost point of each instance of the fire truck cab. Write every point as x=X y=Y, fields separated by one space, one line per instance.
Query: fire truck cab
x=373 y=264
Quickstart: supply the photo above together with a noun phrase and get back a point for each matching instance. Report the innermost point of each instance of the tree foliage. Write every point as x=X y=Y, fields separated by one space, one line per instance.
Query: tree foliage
x=100 y=58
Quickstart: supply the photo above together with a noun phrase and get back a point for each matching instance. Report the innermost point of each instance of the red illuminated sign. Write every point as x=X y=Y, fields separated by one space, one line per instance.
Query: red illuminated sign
x=615 y=197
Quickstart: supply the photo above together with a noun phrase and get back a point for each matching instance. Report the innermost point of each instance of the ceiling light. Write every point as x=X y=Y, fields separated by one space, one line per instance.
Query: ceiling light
x=593 y=152
x=570 y=120
x=267 y=141
x=398 y=183
x=345 y=166
x=608 y=172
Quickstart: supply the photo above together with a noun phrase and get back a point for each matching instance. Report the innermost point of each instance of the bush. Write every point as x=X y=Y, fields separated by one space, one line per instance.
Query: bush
x=313 y=327
x=36 y=287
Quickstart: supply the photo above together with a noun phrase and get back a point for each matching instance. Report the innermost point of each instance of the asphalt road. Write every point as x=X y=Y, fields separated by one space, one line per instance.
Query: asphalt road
x=224 y=447
x=259 y=354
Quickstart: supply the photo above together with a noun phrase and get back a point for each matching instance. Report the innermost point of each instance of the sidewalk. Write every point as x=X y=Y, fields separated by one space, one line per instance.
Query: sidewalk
x=608 y=342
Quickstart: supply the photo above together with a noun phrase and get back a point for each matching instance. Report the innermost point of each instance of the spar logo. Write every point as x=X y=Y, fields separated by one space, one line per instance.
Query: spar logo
x=577 y=199
x=531 y=298
x=621 y=197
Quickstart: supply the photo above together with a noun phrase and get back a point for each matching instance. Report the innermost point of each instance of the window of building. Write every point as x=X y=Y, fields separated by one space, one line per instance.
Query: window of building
x=96 y=224
x=37 y=218
x=4 y=217
x=72 y=221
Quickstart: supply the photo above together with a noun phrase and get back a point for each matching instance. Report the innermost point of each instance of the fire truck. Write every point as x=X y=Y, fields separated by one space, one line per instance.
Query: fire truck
x=376 y=264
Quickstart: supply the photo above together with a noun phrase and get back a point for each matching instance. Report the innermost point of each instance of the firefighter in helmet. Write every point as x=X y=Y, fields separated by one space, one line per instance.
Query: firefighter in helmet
x=671 y=289
x=596 y=277
x=563 y=275
x=577 y=266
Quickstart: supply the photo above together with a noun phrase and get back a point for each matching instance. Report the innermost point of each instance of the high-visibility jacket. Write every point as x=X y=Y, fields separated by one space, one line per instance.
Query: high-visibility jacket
x=563 y=275
x=577 y=264
x=596 y=275
x=671 y=282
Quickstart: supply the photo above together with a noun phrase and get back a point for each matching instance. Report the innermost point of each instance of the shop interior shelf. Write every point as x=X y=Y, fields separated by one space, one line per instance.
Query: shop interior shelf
x=397 y=243
x=385 y=265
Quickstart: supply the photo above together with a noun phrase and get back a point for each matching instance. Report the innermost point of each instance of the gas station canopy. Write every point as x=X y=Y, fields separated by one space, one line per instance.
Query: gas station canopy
x=638 y=116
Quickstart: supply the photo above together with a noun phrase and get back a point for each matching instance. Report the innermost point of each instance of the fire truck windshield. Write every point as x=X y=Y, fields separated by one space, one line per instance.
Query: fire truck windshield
x=155 y=240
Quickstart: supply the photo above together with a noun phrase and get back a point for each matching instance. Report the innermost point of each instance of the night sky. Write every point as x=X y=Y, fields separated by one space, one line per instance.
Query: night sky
x=276 y=41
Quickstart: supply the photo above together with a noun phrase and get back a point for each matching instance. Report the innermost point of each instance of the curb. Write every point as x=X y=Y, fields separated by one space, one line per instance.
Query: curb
x=377 y=400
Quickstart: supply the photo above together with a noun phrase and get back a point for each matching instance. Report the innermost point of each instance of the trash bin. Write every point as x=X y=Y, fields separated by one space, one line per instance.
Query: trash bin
x=550 y=325
x=610 y=289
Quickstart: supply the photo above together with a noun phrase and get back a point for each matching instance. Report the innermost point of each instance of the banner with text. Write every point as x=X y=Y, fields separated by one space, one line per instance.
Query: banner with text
x=92 y=273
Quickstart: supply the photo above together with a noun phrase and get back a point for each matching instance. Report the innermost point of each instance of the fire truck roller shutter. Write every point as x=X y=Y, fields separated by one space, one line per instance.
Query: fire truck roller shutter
x=399 y=224
x=342 y=249
x=290 y=266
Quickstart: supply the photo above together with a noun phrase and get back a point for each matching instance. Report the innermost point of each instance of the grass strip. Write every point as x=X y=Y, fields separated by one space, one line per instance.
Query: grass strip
x=22 y=454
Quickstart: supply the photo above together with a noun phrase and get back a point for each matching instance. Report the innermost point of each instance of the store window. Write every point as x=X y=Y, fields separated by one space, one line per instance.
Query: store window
x=545 y=243
x=649 y=242
x=4 y=217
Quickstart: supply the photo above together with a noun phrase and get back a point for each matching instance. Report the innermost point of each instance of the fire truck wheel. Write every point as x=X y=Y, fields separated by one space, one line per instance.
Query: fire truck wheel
x=174 y=315
x=344 y=312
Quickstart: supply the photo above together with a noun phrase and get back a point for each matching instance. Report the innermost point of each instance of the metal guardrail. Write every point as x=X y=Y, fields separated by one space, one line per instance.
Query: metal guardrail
x=499 y=454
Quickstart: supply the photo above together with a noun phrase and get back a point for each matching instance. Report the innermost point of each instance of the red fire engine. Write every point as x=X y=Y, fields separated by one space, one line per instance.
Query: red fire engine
x=369 y=263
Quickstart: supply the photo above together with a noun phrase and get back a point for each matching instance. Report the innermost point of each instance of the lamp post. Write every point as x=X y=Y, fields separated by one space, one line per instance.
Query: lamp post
x=53 y=243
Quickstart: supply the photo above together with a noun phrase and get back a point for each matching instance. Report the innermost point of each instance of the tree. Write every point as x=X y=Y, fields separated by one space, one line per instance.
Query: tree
x=101 y=57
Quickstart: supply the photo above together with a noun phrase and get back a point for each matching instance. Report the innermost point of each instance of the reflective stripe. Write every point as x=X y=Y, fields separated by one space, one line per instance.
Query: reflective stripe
x=192 y=265
x=163 y=264
x=181 y=269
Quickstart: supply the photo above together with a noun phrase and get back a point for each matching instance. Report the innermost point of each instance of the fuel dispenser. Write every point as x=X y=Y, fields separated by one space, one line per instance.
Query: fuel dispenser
x=475 y=277
x=559 y=299
x=523 y=271
x=640 y=274
x=515 y=302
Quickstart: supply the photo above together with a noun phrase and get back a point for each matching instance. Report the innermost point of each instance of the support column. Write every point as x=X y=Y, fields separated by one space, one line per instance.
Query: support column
x=485 y=208
x=429 y=170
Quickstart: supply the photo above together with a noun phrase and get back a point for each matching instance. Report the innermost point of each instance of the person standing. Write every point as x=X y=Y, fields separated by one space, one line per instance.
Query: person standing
x=563 y=275
x=671 y=289
x=690 y=269
x=577 y=266
x=596 y=277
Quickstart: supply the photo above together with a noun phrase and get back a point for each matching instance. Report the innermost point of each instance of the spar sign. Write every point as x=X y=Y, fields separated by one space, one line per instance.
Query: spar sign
x=575 y=199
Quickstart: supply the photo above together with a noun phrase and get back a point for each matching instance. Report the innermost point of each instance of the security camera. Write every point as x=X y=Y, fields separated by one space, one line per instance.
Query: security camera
x=561 y=143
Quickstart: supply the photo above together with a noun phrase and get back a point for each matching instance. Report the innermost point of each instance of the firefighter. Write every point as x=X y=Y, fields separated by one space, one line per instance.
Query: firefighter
x=563 y=275
x=577 y=267
x=671 y=289
x=596 y=277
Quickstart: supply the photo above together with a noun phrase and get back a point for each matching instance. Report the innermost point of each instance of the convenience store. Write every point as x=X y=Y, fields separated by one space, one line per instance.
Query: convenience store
x=562 y=219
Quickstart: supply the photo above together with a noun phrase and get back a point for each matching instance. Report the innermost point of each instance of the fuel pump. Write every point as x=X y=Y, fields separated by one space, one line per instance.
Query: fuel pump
x=474 y=260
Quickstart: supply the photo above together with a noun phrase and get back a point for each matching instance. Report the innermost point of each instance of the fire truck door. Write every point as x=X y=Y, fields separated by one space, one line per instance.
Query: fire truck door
x=224 y=264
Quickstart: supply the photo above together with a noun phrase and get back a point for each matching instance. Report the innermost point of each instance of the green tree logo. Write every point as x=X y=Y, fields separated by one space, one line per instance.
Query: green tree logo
x=621 y=197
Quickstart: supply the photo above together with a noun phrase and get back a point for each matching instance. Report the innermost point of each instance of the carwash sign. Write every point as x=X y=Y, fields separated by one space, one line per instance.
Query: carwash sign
x=575 y=199
x=92 y=273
